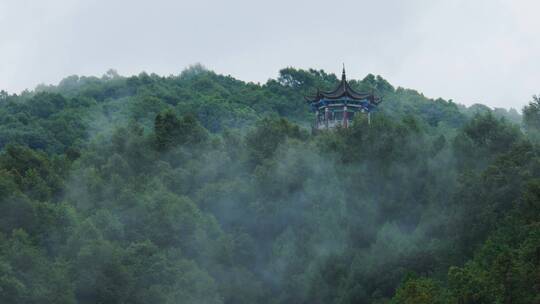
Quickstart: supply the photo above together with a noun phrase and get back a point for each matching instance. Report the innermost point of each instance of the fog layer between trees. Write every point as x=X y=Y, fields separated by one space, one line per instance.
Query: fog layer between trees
x=200 y=188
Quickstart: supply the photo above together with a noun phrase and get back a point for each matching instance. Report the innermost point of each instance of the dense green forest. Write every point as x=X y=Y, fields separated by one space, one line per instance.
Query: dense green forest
x=201 y=188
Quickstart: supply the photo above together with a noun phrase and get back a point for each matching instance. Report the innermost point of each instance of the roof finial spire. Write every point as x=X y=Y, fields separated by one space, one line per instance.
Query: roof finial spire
x=343 y=77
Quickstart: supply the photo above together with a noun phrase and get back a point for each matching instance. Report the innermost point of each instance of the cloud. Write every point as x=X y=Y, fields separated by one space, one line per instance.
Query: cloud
x=481 y=51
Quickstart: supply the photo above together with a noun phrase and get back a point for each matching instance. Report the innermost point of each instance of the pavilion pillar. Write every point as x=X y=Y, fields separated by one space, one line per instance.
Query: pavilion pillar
x=326 y=117
x=345 y=118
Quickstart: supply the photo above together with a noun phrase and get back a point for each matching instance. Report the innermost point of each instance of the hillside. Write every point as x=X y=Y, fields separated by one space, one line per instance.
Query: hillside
x=200 y=188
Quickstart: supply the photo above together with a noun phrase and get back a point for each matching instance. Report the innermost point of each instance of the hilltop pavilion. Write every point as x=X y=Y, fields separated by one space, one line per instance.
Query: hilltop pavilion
x=338 y=107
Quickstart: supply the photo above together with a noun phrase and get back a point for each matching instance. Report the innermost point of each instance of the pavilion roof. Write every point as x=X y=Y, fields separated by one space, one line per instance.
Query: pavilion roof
x=343 y=90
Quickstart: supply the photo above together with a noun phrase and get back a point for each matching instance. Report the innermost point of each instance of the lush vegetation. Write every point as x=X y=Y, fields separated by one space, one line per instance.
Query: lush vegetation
x=200 y=188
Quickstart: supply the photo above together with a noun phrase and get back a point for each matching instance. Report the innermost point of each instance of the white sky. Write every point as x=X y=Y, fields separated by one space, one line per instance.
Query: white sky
x=469 y=51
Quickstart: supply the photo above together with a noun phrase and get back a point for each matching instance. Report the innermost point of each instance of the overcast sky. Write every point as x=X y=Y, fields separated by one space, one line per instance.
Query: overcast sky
x=468 y=51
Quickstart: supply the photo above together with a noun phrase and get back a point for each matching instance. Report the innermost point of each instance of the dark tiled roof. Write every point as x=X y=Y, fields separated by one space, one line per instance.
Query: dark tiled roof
x=342 y=91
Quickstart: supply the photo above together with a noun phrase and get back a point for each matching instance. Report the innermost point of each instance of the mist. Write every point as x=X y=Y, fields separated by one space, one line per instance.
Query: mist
x=202 y=188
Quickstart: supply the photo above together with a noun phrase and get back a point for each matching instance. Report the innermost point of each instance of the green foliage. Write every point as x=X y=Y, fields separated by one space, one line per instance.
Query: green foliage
x=483 y=138
x=419 y=291
x=33 y=172
x=531 y=118
x=28 y=276
x=171 y=131
x=200 y=188
x=263 y=141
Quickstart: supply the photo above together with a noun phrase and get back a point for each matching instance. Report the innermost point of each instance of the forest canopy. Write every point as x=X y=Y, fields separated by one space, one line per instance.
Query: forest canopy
x=201 y=188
